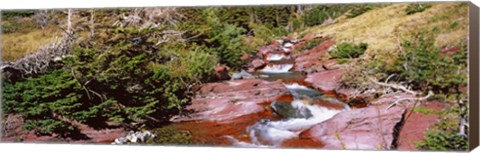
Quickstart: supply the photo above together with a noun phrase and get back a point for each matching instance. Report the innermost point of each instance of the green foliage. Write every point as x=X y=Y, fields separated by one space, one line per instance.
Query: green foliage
x=173 y=136
x=359 y=10
x=144 y=79
x=17 y=13
x=444 y=134
x=426 y=111
x=423 y=64
x=348 y=50
x=225 y=39
x=416 y=7
x=43 y=100
x=441 y=140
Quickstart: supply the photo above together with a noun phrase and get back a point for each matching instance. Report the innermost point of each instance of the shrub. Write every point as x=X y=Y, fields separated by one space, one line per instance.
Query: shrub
x=359 y=10
x=17 y=13
x=312 y=44
x=348 y=50
x=125 y=78
x=444 y=134
x=441 y=140
x=416 y=7
x=43 y=100
x=423 y=65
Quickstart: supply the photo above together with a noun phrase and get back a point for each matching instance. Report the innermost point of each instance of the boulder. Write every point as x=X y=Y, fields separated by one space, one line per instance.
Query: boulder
x=327 y=81
x=372 y=128
x=221 y=72
x=258 y=63
x=242 y=75
x=287 y=111
x=232 y=99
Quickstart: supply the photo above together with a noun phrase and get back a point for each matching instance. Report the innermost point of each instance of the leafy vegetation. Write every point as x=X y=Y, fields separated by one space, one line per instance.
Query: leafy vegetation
x=416 y=7
x=172 y=136
x=423 y=64
x=441 y=140
x=44 y=100
x=348 y=50
x=444 y=135
x=424 y=67
x=17 y=13
x=129 y=75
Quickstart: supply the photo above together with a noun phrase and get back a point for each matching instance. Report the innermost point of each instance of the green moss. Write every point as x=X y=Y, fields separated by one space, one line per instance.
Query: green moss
x=426 y=111
x=170 y=135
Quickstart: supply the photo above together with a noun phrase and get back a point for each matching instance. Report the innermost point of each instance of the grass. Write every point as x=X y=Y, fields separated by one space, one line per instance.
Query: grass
x=382 y=28
x=18 y=44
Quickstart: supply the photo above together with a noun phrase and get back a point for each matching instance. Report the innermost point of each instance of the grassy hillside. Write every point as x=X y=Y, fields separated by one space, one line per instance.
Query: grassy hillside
x=382 y=28
x=21 y=35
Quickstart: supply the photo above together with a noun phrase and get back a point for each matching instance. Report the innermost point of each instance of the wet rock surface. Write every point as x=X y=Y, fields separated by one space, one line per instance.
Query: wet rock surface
x=231 y=99
x=327 y=81
x=372 y=128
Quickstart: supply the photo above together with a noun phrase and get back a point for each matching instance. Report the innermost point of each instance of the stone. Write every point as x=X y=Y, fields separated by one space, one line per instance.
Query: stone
x=370 y=128
x=221 y=72
x=287 y=111
x=232 y=99
x=258 y=63
x=327 y=81
x=242 y=75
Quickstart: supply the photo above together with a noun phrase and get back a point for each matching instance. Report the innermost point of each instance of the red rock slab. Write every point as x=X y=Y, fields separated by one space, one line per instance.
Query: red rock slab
x=371 y=128
x=416 y=124
x=317 y=51
x=232 y=99
x=306 y=60
x=326 y=81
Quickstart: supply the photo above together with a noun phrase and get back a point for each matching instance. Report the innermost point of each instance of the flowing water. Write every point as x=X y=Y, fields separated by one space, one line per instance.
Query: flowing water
x=284 y=120
x=309 y=107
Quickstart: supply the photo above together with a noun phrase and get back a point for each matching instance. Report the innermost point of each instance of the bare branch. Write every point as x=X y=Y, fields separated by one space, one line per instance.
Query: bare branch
x=395 y=86
x=396 y=102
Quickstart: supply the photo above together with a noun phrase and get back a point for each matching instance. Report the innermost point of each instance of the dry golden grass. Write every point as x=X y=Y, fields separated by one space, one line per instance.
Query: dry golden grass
x=383 y=28
x=17 y=45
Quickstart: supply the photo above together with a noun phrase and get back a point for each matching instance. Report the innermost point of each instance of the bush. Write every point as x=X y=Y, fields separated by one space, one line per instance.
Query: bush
x=318 y=14
x=444 y=134
x=348 y=50
x=359 y=10
x=43 y=100
x=424 y=67
x=441 y=140
x=17 y=13
x=125 y=78
x=416 y=7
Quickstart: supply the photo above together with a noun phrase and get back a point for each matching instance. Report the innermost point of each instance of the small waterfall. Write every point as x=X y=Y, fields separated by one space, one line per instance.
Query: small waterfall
x=275 y=57
x=273 y=133
x=280 y=68
x=297 y=117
